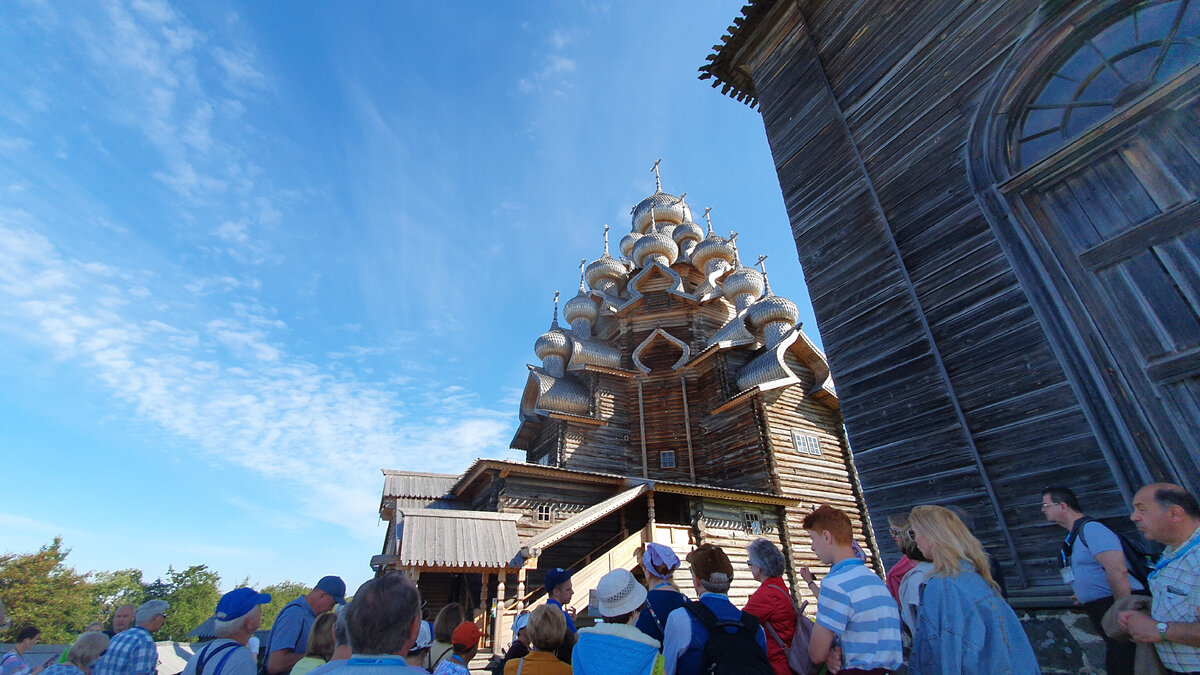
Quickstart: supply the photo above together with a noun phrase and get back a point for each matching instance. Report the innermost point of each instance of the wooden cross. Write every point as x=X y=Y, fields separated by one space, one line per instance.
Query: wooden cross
x=657 y=178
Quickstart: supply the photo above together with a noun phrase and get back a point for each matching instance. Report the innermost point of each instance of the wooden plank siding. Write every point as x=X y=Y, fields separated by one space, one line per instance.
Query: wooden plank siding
x=947 y=380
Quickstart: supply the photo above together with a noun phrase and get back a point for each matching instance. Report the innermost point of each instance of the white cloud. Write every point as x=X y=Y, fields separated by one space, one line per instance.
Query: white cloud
x=227 y=386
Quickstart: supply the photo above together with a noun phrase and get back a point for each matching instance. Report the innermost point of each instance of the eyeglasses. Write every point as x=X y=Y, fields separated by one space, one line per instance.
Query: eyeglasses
x=894 y=532
x=912 y=534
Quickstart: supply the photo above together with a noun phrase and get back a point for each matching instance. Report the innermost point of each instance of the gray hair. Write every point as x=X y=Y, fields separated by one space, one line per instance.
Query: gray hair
x=381 y=617
x=716 y=582
x=87 y=649
x=227 y=628
x=767 y=557
x=341 y=634
x=150 y=609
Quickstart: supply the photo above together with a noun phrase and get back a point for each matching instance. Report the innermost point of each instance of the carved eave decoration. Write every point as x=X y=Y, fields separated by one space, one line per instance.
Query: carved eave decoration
x=660 y=334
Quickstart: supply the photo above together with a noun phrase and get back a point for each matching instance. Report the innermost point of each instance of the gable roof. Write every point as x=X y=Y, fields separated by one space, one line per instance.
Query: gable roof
x=456 y=539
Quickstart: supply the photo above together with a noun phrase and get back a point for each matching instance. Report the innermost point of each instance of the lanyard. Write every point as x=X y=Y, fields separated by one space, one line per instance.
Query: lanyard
x=665 y=583
x=848 y=562
x=381 y=661
x=1162 y=564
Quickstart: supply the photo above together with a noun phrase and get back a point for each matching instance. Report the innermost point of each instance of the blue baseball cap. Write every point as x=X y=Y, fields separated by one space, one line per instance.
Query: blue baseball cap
x=239 y=602
x=555 y=577
x=335 y=587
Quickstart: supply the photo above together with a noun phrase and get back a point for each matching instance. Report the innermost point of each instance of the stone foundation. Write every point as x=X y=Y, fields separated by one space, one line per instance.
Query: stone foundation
x=1064 y=641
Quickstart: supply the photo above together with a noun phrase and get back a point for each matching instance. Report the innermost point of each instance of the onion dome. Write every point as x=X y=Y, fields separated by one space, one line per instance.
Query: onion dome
x=627 y=243
x=656 y=247
x=553 y=347
x=581 y=308
x=605 y=273
x=713 y=248
x=743 y=286
x=667 y=208
x=772 y=309
x=687 y=232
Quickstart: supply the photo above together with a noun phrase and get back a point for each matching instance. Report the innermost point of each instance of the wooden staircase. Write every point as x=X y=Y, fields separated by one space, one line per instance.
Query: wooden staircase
x=620 y=555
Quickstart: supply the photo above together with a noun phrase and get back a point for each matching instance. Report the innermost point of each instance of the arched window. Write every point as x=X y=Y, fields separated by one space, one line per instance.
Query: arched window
x=1121 y=55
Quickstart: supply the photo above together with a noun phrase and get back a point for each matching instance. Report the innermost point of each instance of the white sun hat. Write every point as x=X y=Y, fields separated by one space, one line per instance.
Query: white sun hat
x=619 y=593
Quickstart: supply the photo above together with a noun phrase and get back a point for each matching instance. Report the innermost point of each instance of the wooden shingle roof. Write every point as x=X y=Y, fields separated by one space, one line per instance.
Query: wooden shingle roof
x=722 y=66
x=453 y=539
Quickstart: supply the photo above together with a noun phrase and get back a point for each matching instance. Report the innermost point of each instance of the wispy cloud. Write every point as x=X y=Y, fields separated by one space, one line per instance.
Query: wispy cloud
x=227 y=384
x=553 y=69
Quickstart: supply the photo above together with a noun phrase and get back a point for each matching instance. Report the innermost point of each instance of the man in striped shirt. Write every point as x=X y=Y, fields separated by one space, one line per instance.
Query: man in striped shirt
x=854 y=608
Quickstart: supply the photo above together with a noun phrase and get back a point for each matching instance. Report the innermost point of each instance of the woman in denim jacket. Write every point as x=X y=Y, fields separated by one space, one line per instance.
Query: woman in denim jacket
x=963 y=625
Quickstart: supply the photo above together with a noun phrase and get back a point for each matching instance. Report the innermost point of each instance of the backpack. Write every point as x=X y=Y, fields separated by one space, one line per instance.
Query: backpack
x=797 y=652
x=1140 y=555
x=735 y=653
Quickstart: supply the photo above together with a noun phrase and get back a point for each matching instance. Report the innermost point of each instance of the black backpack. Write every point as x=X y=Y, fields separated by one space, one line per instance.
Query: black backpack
x=735 y=653
x=1140 y=555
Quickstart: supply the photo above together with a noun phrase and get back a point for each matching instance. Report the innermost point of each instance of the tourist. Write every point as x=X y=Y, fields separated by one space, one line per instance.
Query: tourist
x=238 y=615
x=771 y=603
x=289 y=634
x=898 y=531
x=853 y=604
x=82 y=655
x=465 y=639
x=547 y=627
x=559 y=592
x=443 y=631
x=341 y=646
x=616 y=646
x=382 y=623
x=687 y=631
x=963 y=625
x=993 y=560
x=911 y=587
x=122 y=619
x=658 y=565
x=17 y=661
x=320 y=645
x=1093 y=563
x=521 y=642
x=1166 y=513
x=419 y=654
x=133 y=652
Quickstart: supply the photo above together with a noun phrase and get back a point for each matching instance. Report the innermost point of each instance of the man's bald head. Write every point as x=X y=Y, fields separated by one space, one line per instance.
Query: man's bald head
x=123 y=618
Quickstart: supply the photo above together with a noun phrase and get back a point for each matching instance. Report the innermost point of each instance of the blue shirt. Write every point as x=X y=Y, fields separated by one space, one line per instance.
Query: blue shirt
x=1090 y=582
x=130 y=652
x=291 y=627
x=660 y=602
x=684 y=637
x=856 y=605
x=570 y=621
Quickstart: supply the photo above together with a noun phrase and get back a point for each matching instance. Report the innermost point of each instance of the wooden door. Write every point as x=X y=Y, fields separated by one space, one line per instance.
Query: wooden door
x=1117 y=212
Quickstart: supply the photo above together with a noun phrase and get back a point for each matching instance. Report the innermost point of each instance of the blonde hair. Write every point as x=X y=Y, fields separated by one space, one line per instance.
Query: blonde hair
x=547 y=627
x=950 y=543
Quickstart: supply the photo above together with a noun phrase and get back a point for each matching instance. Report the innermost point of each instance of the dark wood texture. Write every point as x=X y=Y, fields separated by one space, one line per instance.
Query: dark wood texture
x=980 y=350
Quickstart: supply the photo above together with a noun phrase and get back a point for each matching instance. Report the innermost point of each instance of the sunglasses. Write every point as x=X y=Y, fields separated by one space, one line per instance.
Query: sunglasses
x=912 y=534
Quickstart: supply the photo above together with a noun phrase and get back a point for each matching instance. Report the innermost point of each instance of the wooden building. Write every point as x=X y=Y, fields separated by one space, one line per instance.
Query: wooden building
x=681 y=404
x=995 y=206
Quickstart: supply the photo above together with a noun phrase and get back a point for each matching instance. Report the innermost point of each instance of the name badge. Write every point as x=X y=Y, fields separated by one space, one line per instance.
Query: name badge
x=1068 y=575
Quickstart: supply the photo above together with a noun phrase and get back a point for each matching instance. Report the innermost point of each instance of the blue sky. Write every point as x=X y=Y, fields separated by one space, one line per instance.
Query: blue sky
x=252 y=253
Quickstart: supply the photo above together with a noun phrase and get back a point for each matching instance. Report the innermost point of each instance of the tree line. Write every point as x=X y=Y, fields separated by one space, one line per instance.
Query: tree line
x=41 y=589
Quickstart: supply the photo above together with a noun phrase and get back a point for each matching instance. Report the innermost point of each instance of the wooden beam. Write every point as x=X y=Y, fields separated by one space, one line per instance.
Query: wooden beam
x=642 y=426
x=687 y=427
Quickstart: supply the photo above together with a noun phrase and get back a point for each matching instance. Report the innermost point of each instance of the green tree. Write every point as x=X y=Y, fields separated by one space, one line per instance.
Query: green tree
x=39 y=589
x=110 y=590
x=193 y=594
x=281 y=594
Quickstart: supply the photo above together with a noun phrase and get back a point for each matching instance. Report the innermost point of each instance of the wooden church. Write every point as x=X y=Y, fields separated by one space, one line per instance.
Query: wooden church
x=679 y=403
x=997 y=208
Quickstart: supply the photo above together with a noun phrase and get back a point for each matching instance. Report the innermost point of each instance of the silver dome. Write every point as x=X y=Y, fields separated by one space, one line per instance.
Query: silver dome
x=744 y=281
x=553 y=342
x=771 y=309
x=667 y=209
x=656 y=247
x=713 y=247
x=581 y=307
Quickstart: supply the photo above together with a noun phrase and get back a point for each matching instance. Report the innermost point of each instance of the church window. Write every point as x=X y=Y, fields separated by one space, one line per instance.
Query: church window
x=806 y=444
x=1124 y=54
x=544 y=513
x=753 y=524
x=666 y=459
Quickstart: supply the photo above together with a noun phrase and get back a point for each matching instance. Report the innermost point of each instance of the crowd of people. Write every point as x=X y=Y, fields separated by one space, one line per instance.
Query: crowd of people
x=941 y=609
